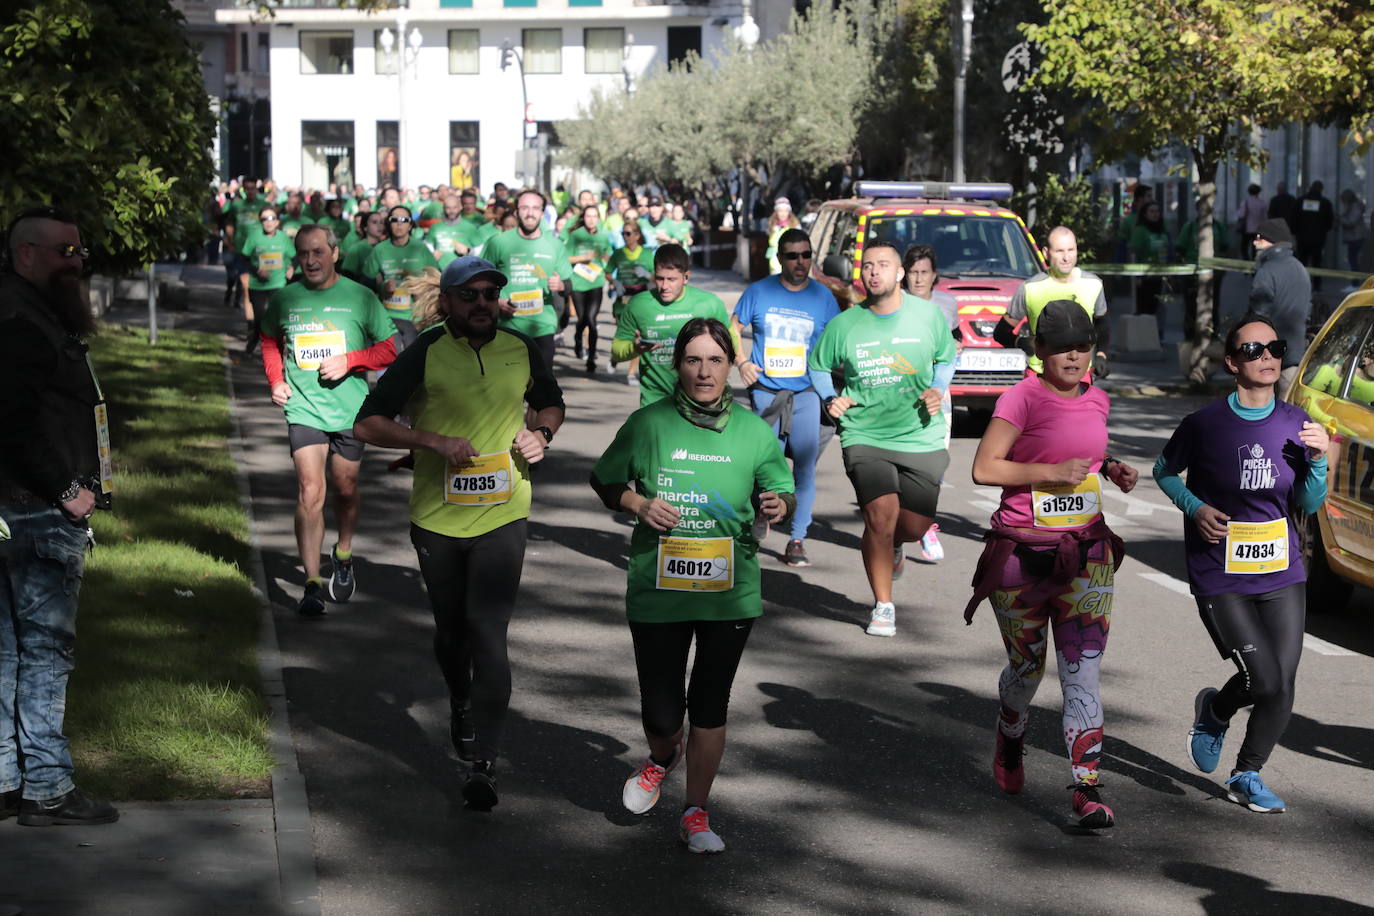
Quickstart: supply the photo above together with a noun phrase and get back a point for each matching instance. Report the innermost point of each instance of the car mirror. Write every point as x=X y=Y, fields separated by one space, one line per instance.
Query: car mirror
x=837 y=266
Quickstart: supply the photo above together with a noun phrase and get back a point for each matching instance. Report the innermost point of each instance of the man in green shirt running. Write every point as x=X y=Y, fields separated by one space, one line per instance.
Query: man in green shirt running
x=240 y=223
x=1064 y=281
x=650 y=323
x=319 y=337
x=537 y=265
x=897 y=355
x=455 y=235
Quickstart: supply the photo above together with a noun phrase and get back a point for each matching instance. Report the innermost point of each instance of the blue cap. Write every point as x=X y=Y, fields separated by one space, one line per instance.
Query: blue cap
x=466 y=268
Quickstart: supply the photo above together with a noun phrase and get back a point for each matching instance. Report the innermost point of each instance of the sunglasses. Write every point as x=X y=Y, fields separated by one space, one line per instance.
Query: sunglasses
x=491 y=294
x=399 y=219
x=269 y=219
x=67 y=251
x=797 y=255
x=1252 y=350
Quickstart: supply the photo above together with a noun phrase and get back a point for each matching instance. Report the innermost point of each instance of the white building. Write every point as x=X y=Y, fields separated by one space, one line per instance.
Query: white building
x=412 y=95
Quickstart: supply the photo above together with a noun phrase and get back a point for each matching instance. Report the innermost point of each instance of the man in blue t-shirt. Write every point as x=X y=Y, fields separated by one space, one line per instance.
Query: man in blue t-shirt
x=787 y=313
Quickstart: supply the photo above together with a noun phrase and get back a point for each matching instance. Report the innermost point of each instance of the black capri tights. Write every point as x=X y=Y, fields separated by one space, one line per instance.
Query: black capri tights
x=1262 y=634
x=472 y=583
x=661 y=659
x=588 y=304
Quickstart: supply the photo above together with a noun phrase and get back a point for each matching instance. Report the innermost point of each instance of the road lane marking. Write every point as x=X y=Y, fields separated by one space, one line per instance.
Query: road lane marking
x=1322 y=647
x=1169 y=582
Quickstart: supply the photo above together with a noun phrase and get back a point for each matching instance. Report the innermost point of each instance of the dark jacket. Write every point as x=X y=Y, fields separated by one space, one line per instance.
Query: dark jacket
x=1285 y=207
x=47 y=410
x=1282 y=292
x=1316 y=216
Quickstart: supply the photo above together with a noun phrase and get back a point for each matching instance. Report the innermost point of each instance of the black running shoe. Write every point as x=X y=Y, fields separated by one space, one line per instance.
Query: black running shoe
x=479 y=791
x=341 y=581
x=312 y=602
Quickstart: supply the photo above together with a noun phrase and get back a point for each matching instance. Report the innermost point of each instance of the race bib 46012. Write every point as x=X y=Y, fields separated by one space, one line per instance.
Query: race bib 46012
x=696 y=564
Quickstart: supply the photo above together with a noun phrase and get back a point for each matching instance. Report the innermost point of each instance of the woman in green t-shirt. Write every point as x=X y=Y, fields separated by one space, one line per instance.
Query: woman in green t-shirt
x=687 y=467
x=630 y=269
x=270 y=253
x=588 y=245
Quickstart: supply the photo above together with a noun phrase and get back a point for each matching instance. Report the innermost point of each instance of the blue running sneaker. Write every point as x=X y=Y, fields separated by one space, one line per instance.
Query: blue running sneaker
x=1246 y=788
x=1206 y=736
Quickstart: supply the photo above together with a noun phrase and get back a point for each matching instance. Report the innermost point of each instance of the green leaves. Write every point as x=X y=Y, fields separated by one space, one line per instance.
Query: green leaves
x=108 y=117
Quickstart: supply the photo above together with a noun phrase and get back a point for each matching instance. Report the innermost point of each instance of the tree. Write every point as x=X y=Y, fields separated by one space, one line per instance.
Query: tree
x=104 y=113
x=1201 y=73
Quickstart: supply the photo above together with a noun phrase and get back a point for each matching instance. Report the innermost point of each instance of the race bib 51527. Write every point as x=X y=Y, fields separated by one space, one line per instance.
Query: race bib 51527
x=784 y=360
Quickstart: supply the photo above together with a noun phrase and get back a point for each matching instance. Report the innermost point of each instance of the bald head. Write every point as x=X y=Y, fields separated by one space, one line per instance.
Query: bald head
x=1062 y=251
x=33 y=242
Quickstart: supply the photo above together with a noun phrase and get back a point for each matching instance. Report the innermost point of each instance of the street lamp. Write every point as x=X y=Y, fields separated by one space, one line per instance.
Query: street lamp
x=407 y=58
x=960 y=82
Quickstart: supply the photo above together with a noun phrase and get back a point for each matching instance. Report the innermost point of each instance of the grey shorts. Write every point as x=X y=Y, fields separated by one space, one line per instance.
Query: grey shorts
x=341 y=442
x=913 y=476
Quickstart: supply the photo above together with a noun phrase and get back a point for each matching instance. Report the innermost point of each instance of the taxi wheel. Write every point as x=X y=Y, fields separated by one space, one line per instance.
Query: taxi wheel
x=1327 y=593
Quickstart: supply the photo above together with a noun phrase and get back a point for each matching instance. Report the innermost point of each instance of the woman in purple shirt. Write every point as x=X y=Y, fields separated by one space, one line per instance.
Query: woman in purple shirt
x=1050 y=560
x=1253 y=464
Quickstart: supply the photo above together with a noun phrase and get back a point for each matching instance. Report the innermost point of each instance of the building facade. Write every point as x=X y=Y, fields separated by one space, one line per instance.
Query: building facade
x=456 y=92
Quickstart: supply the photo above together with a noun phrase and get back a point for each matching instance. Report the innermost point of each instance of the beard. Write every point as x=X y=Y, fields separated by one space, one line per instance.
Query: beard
x=463 y=328
x=73 y=310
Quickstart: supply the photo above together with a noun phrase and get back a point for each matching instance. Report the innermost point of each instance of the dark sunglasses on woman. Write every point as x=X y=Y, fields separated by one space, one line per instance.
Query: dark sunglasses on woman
x=1251 y=350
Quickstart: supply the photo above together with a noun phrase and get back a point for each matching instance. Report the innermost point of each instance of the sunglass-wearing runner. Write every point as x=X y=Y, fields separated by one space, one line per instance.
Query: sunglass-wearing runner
x=1050 y=559
x=1253 y=462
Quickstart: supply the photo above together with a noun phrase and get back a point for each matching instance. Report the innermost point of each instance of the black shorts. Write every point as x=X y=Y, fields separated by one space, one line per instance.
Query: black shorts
x=913 y=476
x=341 y=442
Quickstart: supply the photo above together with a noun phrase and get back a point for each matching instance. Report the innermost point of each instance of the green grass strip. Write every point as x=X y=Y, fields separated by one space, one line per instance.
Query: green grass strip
x=165 y=700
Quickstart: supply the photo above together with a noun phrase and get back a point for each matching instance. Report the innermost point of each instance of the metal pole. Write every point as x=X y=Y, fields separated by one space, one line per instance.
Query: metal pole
x=152 y=305
x=960 y=80
x=404 y=130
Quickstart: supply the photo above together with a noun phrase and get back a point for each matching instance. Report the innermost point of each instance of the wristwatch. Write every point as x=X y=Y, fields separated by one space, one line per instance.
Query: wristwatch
x=72 y=492
x=548 y=433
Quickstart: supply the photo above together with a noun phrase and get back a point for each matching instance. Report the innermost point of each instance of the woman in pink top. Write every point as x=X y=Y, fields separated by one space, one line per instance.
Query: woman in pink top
x=1049 y=558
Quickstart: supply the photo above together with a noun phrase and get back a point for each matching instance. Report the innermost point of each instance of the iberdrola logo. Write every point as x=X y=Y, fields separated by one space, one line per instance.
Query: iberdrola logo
x=679 y=454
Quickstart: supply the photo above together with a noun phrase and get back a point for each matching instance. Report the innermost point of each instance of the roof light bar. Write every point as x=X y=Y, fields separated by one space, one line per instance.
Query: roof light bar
x=985 y=190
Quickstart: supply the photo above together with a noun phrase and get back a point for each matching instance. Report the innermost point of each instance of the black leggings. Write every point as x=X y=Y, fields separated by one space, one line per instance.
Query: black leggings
x=588 y=304
x=1262 y=634
x=661 y=659
x=472 y=583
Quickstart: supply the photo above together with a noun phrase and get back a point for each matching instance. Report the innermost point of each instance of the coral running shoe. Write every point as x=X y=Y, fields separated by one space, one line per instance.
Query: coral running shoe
x=1006 y=762
x=695 y=830
x=642 y=789
x=883 y=621
x=1088 y=807
x=932 y=551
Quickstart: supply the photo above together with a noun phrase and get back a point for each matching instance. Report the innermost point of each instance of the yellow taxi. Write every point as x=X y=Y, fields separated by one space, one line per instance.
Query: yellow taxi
x=983 y=252
x=1335 y=385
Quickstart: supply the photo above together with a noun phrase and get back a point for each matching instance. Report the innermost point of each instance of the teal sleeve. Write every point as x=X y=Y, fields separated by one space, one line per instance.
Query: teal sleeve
x=1312 y=488
x=1177 y=491
x=944 y=374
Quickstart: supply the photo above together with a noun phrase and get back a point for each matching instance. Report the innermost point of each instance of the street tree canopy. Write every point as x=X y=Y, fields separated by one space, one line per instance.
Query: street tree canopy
x=105 y=114
x=1202 y=74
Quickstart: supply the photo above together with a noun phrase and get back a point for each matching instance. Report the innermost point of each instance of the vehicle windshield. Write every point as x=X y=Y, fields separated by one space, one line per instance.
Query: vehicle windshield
x=965 y=246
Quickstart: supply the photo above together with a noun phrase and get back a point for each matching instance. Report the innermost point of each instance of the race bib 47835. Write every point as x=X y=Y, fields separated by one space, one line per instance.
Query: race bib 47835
x=486 y=480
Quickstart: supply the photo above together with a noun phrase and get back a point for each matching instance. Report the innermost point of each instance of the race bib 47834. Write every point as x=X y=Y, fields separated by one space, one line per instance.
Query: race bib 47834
x=1253 y=548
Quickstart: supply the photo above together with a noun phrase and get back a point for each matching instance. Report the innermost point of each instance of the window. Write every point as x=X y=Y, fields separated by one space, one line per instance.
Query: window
x=1342 y=349
x=388 y=154
x=326 y=52
x=327 y=153
x=543 y=50
x=584 y=2
x=245 y=64
x=455 y=4
x=683 y=40
x=967 y=246
x=464 y=144
x=264 y=53
x=605 y=49
x=385 y=61
x=463 y=47
x=522 y=2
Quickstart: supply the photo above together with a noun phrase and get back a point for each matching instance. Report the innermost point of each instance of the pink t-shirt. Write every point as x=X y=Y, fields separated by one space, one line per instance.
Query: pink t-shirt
x=1053 y=429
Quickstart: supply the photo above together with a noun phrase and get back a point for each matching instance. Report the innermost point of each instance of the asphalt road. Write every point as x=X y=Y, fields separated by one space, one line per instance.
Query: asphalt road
x=857 y=777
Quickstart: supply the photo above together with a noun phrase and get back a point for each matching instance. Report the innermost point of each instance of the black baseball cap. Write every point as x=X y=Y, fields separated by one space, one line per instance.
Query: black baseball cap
x=1065 y=325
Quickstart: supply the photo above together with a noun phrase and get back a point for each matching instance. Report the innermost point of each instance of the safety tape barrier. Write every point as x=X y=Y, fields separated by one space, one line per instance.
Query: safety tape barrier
x=1188 y=270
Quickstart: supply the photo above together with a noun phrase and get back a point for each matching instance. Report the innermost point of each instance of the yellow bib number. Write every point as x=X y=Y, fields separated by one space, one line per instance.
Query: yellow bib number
x=398 y=301
x=696 y=564
x=315 y=347
x=589 y=272
x=528 y=302
x=1256 y=547
x=486 y=480
x=784 y=360
x=270 y=260
x=1068 y=507
x=102 y=440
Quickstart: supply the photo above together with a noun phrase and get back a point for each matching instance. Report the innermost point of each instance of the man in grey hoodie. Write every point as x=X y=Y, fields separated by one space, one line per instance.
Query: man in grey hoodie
x=1282 y=291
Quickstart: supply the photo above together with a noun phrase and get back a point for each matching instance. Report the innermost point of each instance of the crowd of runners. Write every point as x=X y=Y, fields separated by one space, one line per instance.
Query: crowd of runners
x=439 y=342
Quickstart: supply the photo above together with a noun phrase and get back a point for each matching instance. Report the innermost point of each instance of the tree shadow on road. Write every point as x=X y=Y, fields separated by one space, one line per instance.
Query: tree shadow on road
x=577 y=764
x=1237 y=892
x=1348 y=744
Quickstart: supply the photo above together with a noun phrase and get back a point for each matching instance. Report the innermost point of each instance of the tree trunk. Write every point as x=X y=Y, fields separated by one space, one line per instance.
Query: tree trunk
x=1199 y=335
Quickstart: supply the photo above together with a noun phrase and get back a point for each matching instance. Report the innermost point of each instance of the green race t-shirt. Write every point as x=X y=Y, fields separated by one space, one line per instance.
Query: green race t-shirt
x=443 y=234
x=313 y=323
x=395 y=263
x=888 y=361
x=709 y=477
x=245 y=213
x=629 y=270
x=659 y=323
x=592 y=274
x=272 y=253
x=356 y=257
x=528 y=264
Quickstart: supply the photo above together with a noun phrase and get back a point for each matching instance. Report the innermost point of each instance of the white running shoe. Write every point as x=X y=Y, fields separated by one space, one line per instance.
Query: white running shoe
x=694 y=829
x=642 y=789
x=884 y=620
x=931 y=549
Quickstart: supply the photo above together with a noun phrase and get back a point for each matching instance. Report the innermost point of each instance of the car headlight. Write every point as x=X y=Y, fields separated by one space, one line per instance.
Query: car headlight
x=983 y=328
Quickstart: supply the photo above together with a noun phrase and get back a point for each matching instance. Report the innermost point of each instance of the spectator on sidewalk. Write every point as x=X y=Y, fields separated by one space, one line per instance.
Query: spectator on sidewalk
x=1316 y=216
x=1150 y=245
x=1282 y=292
x=55 y=471
x=1249 y=215
x=1352 y=227
x=1284 y=206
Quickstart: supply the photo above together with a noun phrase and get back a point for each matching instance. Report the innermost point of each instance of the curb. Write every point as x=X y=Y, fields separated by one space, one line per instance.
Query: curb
x=300 y=885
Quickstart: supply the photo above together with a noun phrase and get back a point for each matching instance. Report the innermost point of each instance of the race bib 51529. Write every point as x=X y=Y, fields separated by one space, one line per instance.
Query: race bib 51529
x=1068 y=507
